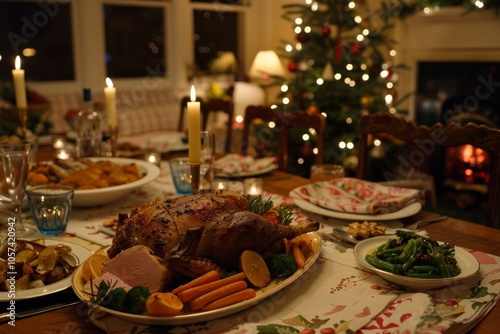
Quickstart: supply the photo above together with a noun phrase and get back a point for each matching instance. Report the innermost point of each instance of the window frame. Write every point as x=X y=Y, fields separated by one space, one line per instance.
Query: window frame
x=89 y=44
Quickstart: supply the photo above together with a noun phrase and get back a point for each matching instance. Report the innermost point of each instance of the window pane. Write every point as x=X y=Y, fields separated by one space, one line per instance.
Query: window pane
x=40 y=32
x=215 y=35
x=135 y=38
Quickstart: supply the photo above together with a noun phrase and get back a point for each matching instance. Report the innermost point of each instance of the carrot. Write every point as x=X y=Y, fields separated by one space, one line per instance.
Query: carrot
x=231 y=299
x=210 y=276
x=197 y=291
x=219 y=293
x=298 y=256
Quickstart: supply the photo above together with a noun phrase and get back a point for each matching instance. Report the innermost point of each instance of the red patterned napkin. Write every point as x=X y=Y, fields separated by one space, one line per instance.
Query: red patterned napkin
x=242 y=164
x=357 y=196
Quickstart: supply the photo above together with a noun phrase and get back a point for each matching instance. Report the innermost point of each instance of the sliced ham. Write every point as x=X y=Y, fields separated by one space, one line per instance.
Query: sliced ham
x=109 y=278
x=138 y=266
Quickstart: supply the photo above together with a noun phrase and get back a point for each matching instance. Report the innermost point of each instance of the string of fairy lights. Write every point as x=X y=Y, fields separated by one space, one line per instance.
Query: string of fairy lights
x=355 y=74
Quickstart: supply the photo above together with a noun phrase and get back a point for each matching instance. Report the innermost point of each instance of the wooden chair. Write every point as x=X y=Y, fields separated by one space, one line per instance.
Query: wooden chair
x=207 y=107
x=283 y=124
x=424 y=141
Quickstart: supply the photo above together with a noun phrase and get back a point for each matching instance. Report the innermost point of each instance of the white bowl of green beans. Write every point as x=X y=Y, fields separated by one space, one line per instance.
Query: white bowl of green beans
x=416 y=262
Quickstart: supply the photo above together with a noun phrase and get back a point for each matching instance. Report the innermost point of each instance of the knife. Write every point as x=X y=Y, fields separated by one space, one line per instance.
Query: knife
x=34 y=306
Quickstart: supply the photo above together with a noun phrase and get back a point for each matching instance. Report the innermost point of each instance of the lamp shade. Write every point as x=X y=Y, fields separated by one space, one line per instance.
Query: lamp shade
x=266 y=63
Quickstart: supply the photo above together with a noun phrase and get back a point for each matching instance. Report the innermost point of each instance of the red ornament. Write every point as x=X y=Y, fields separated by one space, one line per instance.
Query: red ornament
x=292 y=66
x=325 y=31
x=302 y=37
x=357 y=48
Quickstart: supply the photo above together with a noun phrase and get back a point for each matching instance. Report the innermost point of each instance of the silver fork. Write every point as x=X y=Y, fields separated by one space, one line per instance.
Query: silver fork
x=416 y=225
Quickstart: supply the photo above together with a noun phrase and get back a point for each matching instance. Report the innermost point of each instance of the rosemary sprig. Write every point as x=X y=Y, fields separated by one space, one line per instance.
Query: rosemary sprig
x=284 y=214
x=258 y=205
x=103 y=290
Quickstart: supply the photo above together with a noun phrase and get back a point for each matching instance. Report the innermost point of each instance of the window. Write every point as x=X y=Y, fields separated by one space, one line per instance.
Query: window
x=41 y=33
x=135 y=41
x=215 y=41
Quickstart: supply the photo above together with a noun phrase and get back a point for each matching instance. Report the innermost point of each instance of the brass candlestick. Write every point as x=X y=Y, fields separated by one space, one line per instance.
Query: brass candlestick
x=113 y=136
x=195 y=178
x=23 y=119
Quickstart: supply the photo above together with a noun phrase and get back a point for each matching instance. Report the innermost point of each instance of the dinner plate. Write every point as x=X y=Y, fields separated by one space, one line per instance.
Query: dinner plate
x=406 y=211
x=262 y=171
x=101 y=196
x=468 y=264
x=77 y=256
x=194 y=317
x=172 y=142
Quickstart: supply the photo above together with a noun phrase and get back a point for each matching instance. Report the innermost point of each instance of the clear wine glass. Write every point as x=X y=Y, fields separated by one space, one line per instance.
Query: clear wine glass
x=14 y=158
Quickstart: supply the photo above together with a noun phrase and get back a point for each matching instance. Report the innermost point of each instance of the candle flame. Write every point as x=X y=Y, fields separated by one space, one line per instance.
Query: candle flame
x=18 y=62
x=193 y=94
x=109 y=83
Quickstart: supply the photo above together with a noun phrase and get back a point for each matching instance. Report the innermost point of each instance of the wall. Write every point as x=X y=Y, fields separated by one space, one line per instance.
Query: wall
x=447 y=35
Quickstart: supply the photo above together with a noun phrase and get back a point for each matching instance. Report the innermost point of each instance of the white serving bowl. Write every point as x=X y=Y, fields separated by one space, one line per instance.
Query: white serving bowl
x=465 y=260
x=97 y=197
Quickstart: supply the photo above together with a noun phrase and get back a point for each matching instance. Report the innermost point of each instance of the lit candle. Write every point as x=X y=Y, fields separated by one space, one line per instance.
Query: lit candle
x=110 y=96
x=19 y=86
x=194 y=129
x=253 y=186
x=63 y=154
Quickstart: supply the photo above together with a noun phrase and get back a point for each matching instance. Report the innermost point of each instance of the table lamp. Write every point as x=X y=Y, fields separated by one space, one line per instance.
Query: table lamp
x=265 y=65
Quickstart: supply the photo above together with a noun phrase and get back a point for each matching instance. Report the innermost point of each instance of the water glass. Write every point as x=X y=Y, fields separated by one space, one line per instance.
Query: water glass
x=181 y=175
x=325 y=172
x=14 y=165
x=50 y=206
x=207 y=159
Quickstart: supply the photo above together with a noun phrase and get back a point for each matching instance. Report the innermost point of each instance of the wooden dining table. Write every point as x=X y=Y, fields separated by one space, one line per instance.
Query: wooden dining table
x=74 y=319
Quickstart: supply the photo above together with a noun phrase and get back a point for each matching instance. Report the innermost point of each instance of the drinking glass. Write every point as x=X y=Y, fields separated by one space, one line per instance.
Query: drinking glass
x=326 y=172
x=14 y=158
x=207 y=159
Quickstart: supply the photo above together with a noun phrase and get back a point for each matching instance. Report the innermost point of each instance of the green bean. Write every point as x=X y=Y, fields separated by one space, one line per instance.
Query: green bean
x=439 y=258
x=424 y=269
x=384 y=265
x=408 y=251
x=422 y=275
x=413 y=255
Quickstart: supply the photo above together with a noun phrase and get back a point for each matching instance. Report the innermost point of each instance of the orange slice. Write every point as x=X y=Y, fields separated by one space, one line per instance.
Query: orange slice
x=93 y=267
x=163 y=304
x=255 y=269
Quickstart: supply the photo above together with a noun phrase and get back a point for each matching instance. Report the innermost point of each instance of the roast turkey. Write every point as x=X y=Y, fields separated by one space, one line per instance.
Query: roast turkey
x=202 y=232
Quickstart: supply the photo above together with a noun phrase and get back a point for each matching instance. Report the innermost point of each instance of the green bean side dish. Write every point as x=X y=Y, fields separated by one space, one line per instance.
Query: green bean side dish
x=415 y=256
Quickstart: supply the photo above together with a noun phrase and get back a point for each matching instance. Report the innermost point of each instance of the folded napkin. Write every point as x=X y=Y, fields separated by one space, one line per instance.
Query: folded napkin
x=240 y=164
x=357 y=196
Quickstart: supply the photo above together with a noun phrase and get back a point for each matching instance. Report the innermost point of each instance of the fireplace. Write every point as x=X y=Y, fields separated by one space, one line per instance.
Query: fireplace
x=449 y=55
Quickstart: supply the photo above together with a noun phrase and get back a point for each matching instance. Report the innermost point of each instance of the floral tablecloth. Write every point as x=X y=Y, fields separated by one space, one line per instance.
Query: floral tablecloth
x=333 y=296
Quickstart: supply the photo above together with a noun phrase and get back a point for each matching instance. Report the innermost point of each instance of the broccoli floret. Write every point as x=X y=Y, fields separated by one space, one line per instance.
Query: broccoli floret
x=115 y=299
x=281 y=265
x=135 y=300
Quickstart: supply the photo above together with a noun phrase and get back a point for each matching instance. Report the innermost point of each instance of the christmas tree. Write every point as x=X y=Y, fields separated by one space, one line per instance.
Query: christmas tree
x=342 y=63
x=342 y=66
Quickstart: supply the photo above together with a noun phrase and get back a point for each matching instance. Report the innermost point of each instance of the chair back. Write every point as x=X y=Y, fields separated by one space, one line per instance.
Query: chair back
x=283 y=124
x=424 y=141
x=224 y=106
x=207 y=107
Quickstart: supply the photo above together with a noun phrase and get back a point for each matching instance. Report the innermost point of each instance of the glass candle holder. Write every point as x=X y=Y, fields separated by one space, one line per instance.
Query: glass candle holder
x=253 y=186
x=59 y=143
x=220 y=184
x=153 y=157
